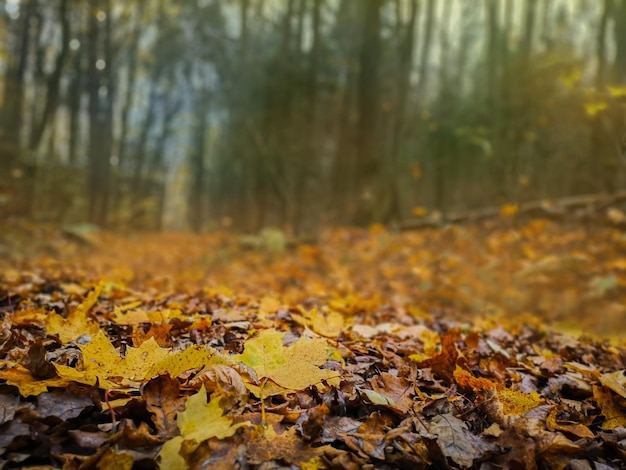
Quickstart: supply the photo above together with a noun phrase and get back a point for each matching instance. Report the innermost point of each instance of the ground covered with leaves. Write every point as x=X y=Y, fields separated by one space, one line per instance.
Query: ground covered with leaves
x=462 y=347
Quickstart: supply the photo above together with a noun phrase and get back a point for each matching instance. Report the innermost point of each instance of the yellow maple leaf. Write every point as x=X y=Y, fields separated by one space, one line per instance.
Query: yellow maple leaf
x=77 y=323
x=293 y=368
x=103 y=362
x=132 y=317
x=610 y=408
x=195 y=357
x=329 y=325
x=200 y=421
x=19 y=376
x=616 y=381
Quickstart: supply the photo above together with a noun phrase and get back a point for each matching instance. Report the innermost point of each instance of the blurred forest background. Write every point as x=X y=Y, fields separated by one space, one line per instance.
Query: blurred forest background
x=194 y=114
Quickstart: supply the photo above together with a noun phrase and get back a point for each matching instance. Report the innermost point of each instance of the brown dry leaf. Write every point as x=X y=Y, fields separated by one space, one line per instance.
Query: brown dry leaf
x=215 y=454
x=113 y=460
x=9 y=404
x=444 y=363
x=163 y=400
x=37 y=363
x=220 y=378
x=287 y=447
x=399 y=389
x=63 y=404
x=577 y=429
x=457 y=442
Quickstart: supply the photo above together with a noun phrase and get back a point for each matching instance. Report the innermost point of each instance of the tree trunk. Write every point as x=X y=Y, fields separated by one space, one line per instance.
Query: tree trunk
x=619 y=66
x=196 y=163
x=368 y=143
x=422 y=84
x=601 y=44
x=100 y=111
x=13 y=103
x=406 y=48
x=529 y=31
x=130 y=82
x=54 y=79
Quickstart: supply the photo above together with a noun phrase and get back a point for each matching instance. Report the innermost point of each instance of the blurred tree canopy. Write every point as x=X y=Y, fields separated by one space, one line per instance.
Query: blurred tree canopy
x=195 y=114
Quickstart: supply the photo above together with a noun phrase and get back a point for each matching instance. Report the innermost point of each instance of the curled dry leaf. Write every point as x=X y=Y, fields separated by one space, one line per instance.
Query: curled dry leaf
x=220 y=378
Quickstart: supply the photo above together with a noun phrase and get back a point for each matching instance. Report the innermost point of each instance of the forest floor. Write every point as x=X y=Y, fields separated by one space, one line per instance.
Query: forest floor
x=492 y=346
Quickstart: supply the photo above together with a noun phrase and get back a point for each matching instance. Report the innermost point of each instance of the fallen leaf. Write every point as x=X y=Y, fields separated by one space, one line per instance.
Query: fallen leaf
x=163 y=400
x=194 y=357
x=103 y=363
x=220 y=378
x=616 y=381
x=444 y=363
x=287 y=447
x=399 y=390
x=62 y=404
x=295 y=367
x=77 y=324
x=457 y=442
x=113 y=460
x=198 y=422
x=19 y=376
x=9 y=404
x=611 y=410
x=329 y=325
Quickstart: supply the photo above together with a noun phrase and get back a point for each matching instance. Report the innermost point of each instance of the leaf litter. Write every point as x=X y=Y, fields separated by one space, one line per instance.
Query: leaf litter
x=449 y=348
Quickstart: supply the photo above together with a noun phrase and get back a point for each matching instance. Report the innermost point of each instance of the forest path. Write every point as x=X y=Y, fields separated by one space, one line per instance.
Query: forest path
x=449 y=346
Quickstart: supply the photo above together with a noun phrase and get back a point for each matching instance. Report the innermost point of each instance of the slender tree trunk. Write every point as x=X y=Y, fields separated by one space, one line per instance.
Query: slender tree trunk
x=344 y=172
x=529 y=31
x=54 y=79
x=368 y=104
x=619 y=66
x=129 y=94
x=141 y=151
x=100 y=110
x=196 y=163
x=157 y=162
x=424 y=67
x=76 y=86
x=13 y=103
x=601 y=43
x=406 y=51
